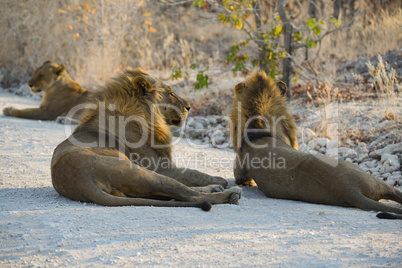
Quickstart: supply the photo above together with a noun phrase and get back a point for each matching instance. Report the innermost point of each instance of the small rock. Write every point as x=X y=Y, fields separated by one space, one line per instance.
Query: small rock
x=388 y=167
x=362 y=157
x=343 y=150
x=212 y=120
x=364 y=168
x=205 y=140
x=332 y=152
x=376 y=174
x=386 y=175
x=392 y=158
x=389 y=149
x=351 y=154
x=322 y=142
x=373 y=144
x=219 y=140
x=308 y=135
x=332 y=144
x=392 y=179
x=361 y=148
x=198 y=125
x=313 y=144
x=371 y=164
x=349 y=142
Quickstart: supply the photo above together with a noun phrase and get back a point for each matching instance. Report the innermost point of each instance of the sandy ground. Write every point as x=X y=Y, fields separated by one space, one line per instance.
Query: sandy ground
x=39 y=228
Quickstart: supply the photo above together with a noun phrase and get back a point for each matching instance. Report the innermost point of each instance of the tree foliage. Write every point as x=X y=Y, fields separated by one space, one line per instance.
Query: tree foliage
x=275 y=29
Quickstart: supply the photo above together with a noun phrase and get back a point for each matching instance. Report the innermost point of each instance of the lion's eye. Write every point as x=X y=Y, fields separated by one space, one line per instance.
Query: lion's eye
x=171 y=94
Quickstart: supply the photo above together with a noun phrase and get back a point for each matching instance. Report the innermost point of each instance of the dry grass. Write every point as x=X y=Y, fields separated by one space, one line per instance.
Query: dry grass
x=95 y=41
x=359 y=120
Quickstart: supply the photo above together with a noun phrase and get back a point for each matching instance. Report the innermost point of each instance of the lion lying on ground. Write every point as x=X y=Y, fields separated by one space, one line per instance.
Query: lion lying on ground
x=61 y=94
x=123 y=131
x=264 y=137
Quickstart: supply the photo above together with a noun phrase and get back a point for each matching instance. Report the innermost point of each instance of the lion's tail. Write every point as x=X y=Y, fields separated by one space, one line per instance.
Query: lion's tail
x=388 y=211
x=389 y=215
x=102 y=198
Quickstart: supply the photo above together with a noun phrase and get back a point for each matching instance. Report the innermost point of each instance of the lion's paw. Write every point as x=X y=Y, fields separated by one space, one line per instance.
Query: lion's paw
x=220 y=181
x=217 y=188
x=234 y=198
x=63 y=120
x=235 y=189
x=8 y=111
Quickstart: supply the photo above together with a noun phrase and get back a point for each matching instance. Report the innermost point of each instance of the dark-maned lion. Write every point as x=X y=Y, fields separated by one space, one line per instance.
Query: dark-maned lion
x=264 y=137
x=128 y=120
x=61 y=94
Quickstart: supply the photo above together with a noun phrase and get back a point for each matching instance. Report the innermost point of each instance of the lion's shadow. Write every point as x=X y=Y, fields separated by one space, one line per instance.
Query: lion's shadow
x=32 y=198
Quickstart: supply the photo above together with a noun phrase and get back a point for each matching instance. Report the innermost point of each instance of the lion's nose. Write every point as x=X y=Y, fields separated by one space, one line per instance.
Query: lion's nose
x=188 y=108
x=30 y=84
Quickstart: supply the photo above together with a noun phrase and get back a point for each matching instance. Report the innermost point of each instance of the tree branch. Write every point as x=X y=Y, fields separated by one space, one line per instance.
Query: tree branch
x=296 y=46
x=300 y=10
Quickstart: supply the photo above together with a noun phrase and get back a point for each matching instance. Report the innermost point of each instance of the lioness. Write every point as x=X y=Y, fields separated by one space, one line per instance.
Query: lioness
x=128 y=120
x=264 y=137
x=61 y=93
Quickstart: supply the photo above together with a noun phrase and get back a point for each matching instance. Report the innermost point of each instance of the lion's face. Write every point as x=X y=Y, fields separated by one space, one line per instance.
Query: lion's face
x=45 y=76
x=171 y=106
x=174 y=108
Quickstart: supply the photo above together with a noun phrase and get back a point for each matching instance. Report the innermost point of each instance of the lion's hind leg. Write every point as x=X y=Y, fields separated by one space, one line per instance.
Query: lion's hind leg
x=98 y=196
x=141 y=185
x=214 y=188
x=366 y=203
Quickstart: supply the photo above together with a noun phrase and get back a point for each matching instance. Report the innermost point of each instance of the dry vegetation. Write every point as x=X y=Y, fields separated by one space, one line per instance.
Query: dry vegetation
x=95 y=39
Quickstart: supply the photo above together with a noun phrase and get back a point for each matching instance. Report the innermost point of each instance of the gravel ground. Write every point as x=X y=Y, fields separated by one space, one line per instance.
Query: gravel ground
x=39 y=228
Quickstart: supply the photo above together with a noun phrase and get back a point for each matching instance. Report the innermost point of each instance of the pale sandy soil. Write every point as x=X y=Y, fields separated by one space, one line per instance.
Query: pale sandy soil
x=39 y=228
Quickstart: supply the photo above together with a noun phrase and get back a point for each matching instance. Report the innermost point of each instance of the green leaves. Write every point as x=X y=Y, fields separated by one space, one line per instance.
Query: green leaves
x=276 y=31
x=310 y=43
x=265 y=31
x=234 y=57
x=234 y=19
x=177 y=73
x=313 y=26
x=315 y=30
x=297 y=36
x=202 y=79
x=336 y=22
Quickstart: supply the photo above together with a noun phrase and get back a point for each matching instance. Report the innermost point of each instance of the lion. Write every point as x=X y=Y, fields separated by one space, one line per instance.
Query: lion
x=61 y=94
x=120 y=153
x=263 y=132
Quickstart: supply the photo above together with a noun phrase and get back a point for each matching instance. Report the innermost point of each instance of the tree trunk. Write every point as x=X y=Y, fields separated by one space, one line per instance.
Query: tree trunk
x=337 y=8
x=312 y=9
x=287 y=61
x=258 y=24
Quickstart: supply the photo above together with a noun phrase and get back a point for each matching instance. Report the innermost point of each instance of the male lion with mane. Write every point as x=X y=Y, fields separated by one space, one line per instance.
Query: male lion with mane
x=129 y=117
x=61 y=94
x=263 y=131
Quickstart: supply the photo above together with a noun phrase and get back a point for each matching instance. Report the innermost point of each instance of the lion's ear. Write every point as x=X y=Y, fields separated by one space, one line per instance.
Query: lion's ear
x=282 y=87
x=59 y=69
x=239 y=87
x=141 y=85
